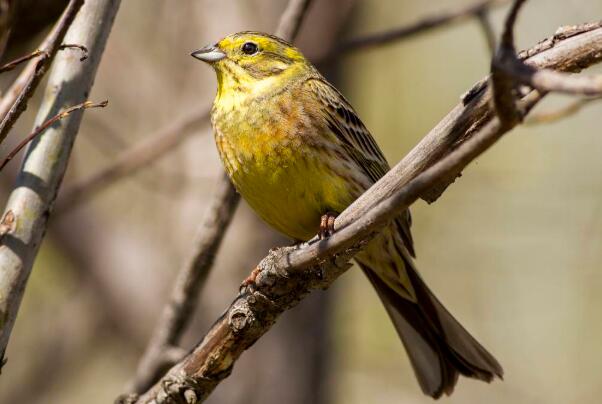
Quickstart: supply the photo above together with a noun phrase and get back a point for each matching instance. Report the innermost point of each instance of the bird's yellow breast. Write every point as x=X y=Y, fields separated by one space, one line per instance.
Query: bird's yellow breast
x=280 y=159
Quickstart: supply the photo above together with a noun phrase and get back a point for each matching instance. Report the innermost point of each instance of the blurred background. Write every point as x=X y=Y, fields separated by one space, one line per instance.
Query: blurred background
x=512 y=248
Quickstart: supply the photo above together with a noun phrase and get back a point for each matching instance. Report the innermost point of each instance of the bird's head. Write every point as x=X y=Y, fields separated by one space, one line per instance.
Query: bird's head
x=252 y=61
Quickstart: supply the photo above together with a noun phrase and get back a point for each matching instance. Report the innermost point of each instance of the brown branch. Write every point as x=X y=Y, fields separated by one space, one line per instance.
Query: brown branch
x=509 y=70
x=177 y=313
x=487 y=28
x=288 y=274
x=13 y=64
x=134 y=159
x=503 y=84
x=48 y=50
x=40 y=129
x=437 y=20
x=560 y=113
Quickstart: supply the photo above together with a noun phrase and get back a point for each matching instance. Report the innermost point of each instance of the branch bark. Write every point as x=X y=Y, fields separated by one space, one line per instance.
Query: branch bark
x=288 y=274
x=32 y=198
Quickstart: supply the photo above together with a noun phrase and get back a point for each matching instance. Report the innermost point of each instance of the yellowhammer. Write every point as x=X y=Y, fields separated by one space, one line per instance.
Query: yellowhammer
x=297 y=152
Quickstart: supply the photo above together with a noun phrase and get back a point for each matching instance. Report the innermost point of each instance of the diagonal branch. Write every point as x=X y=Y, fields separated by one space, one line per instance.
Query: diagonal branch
x=288 y=274
x=30 y=202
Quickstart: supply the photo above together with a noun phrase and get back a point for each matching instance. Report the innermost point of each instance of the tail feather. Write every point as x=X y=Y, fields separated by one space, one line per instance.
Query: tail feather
x=438 y=346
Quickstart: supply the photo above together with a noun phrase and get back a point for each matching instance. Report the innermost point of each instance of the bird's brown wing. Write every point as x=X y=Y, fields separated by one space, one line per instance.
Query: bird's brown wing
x=357 y=141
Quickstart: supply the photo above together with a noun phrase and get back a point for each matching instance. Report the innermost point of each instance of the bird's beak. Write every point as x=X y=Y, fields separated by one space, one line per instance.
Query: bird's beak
x=209 y=54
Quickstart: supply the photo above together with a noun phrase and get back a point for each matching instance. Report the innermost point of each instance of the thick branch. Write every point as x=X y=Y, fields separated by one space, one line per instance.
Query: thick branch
x=288 y=274
x=40 y=64
x=30 y=202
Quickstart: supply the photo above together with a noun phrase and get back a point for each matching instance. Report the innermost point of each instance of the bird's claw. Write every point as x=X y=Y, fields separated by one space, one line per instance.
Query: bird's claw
x=326 y=225
x=248 y=285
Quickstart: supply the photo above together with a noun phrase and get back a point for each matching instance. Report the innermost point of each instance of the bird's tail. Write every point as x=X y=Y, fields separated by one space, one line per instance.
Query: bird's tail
x=438 y=346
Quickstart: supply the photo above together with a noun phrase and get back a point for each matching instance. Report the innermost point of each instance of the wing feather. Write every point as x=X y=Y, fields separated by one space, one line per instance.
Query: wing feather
x=357 y=141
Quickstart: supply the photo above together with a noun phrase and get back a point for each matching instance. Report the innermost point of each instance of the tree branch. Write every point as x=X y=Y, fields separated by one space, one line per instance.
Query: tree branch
x=32 y=198
x=40 y=129
x=437 y=20
x=288 y=274
x=40 y=64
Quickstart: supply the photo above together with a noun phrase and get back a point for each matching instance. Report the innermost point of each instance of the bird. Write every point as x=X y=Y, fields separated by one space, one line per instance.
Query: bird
x=298 y=153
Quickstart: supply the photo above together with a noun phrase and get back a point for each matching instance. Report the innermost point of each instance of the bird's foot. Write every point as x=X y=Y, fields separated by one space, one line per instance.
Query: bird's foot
x=248 y=285
x=326 y=225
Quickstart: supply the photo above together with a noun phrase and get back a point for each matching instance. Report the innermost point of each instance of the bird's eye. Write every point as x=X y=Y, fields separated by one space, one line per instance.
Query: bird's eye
x=249 y=48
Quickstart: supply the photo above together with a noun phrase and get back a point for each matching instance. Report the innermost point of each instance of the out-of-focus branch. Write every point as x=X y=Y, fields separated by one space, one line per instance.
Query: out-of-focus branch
x=177 y=314
x=165 y=140
x=39 y=130
x=178 y=311
x=560 y=113
x=31 y=200
x=510 y=70
x=487 y=28
x=437 y=20
x=287 y=274
x=503 y=84
x=7 y=14
x=40 y=64
x=134 y=159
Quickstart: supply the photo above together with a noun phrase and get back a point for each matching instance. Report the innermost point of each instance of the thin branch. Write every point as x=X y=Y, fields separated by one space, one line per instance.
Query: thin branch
x=41 y=62
x=39 y=130
x=177 y=313
x=44 y=165
x=560 y=113
x=504 y=85
x=487 y=28
x=437 y=20
x=13 y=64
x=288 y=274
x=508 y=69
x=133 y=159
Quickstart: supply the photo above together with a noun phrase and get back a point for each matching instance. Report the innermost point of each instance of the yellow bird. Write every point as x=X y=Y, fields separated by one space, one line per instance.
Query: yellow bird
x=298 y=153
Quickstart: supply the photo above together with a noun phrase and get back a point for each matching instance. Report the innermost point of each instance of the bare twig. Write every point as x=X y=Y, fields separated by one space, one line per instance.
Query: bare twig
x=177 y=314
x=288 y=274
x=426 y=24
x=139 y=156
x=40 y=129
x=81 y=48
x=560 y=113
x=44 y=165
x=508 y=69
x=487 y=28
x=13 y=64
x=48 y=50
x=504 y=85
